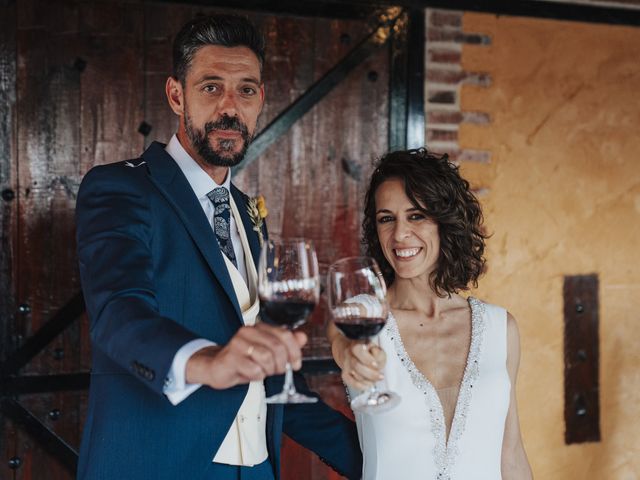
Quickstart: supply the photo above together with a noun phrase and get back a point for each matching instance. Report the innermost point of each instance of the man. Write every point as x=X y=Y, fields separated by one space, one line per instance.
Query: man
x=168 y=258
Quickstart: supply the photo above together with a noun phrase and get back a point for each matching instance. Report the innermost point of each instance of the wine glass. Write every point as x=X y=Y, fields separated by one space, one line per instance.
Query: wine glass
x=289 y=289
x=358 y=305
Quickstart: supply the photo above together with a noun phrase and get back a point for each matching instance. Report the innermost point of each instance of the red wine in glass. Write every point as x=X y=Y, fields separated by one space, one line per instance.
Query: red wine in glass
x=286 y=313
x=289 y=289
x=360 y=328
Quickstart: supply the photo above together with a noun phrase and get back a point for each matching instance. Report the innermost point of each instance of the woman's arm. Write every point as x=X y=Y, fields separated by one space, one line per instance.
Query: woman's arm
x=515 y=465
x=361 y=363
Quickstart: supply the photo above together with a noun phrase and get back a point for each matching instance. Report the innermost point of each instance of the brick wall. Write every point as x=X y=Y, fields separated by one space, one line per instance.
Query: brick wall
x=444 y=78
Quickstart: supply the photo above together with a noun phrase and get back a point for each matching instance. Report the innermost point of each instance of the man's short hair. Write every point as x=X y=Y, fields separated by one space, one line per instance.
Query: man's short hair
x=222 y=30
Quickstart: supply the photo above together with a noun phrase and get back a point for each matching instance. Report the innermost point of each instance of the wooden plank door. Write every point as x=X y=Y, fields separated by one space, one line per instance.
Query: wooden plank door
x=83 y=84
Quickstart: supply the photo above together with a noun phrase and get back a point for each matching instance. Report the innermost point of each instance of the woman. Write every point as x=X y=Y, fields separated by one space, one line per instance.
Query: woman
x=453 y=360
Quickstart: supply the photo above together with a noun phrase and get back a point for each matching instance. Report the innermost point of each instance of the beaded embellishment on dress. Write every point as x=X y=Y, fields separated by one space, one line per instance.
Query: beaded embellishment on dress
x=445 y=451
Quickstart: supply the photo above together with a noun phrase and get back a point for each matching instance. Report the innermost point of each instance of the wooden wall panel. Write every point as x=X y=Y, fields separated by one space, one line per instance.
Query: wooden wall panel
x=48 y=146
x=79 y=102
x=8 y=204
x=112 y=83
x=84 y=76
x=48 y=89
x=161 y=23
x=314 y=177
x=288 y=72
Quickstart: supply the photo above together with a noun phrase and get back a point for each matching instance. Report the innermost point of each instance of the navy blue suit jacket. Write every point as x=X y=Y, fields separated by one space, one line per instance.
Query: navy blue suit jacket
x=153 y=279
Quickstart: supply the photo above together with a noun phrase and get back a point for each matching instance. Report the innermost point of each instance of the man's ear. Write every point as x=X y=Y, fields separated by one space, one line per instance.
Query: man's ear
x=175 y=95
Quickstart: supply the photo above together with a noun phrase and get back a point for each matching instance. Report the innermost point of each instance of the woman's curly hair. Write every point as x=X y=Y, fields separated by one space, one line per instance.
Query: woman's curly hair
x=435 y=187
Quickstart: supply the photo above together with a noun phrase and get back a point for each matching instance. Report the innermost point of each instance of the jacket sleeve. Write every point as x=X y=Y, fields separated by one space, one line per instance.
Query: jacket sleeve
x=114 y=237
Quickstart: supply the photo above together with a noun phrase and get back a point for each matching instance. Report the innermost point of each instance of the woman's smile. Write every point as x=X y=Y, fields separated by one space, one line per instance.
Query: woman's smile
x=406 y=253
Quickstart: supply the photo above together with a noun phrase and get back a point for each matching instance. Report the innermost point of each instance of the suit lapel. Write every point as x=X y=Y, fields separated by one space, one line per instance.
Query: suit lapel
x=172 y=184
x=252 y=235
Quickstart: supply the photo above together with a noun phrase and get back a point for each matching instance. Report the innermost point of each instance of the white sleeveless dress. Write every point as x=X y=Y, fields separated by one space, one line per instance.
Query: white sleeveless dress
x=409 y=442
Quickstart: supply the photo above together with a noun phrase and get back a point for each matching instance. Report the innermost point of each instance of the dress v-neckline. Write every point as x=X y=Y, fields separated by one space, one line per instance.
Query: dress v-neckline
x=445 y=447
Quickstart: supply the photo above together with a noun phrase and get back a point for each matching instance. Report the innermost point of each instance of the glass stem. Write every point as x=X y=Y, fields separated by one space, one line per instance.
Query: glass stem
x=289 y=386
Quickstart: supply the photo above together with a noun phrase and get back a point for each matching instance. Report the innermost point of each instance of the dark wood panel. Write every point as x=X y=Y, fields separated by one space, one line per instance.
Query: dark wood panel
x=88 y=75
x=9 y=452
x=301 y=175
x=48 y=96
x=48 y=146
x=79 y=86
x=8 y=175
x=162 y=22
x=112 y=82
x=287 y=73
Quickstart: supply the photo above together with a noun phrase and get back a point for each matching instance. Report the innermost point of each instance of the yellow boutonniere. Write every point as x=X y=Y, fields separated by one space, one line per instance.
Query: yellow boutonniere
x=257 y=209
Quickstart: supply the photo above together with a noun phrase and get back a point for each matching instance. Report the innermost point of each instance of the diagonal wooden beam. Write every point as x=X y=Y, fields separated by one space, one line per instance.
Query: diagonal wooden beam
x=36 y=343
x=316 y=92
x=45 y=437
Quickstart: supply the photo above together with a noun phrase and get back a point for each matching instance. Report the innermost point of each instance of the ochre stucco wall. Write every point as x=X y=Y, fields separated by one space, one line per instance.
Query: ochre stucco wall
x=563 y=199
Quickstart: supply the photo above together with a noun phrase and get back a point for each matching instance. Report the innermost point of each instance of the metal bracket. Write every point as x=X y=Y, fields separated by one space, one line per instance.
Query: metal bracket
x=581 y=362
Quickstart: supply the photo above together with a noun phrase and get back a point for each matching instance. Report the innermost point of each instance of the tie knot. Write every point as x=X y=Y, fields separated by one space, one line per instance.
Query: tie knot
x=219 y=195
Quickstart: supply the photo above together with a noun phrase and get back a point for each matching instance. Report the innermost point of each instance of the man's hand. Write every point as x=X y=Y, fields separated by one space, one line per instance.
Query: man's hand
x=253 y=353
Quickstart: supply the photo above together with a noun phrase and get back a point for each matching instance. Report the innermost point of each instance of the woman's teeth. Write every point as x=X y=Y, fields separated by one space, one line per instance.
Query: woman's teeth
x=406 y=252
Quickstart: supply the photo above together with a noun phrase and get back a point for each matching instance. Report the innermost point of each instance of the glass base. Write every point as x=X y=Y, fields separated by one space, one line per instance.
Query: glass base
x=288 y=397
x=375 y=402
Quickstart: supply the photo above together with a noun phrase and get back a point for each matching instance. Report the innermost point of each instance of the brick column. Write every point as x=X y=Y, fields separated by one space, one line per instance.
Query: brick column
x=444 y=78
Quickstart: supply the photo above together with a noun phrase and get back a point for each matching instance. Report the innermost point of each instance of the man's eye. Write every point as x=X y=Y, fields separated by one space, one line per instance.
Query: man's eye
x=210 y=88
x=249 y=91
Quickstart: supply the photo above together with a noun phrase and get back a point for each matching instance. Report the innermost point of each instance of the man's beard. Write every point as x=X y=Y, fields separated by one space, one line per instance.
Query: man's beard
x=200 y=141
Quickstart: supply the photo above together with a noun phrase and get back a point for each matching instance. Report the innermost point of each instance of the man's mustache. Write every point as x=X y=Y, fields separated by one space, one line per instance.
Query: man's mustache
x=227 y=123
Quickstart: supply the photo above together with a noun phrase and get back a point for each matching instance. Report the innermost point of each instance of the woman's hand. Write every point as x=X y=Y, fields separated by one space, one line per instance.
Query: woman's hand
x=361 y=364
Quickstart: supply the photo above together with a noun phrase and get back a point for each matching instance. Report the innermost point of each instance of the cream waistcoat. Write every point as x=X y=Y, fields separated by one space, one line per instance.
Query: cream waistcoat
x=246 y=441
